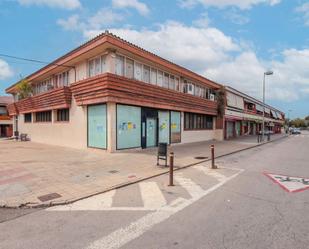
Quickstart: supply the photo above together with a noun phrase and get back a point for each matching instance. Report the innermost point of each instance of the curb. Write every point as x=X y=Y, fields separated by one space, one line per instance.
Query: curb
x=122 y=185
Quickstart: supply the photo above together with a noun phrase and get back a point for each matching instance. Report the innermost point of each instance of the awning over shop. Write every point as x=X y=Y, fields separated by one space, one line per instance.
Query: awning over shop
x=274 y=114
x=279 y=115
x=267 y=110
x=259 y=108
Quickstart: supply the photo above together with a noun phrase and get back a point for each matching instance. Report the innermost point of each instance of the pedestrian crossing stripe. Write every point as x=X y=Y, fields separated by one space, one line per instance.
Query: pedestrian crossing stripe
x=152 y=196
x=291 y=184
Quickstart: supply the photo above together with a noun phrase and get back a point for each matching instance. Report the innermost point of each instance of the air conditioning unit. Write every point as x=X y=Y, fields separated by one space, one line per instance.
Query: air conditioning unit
x=212 y=97
x=190 y=89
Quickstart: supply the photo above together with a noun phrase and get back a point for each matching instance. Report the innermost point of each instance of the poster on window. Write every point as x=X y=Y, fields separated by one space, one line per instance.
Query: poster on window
x=128 y=127
x=175 y=127
x=164 y=127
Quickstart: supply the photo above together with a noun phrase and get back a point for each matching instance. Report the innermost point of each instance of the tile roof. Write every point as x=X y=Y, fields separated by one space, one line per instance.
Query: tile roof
x=6 y=100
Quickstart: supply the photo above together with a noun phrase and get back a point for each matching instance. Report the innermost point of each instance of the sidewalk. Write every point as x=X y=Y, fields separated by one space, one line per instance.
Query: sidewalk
x=34 y=175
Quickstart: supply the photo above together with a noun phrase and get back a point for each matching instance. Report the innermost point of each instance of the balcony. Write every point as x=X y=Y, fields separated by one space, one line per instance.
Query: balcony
x=54 y=99
x=4 y=117
x=112 y=88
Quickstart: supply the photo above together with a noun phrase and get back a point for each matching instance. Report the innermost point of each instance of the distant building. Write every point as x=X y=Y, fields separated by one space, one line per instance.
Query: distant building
x=244 y=115
x=6 y=122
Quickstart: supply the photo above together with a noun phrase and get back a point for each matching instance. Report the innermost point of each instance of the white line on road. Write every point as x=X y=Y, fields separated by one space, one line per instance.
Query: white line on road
x=151 y=195
x=98 y=202
x=211 y=172
x=124 y=235
x=192 y=188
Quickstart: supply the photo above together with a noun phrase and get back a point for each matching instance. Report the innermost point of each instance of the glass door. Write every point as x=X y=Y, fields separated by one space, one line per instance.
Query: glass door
x=97 y=126
x=151 y=132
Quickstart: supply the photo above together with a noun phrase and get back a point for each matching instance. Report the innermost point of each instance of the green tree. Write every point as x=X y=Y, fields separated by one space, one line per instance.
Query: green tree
x=221 y=101
x=24 y=89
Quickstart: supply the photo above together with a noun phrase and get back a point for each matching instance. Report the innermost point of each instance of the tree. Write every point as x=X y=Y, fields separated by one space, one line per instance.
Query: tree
x=221 y=101
x=24 y=89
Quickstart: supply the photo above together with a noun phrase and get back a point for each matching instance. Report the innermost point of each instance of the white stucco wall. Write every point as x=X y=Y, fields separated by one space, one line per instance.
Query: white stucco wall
x=71 y=134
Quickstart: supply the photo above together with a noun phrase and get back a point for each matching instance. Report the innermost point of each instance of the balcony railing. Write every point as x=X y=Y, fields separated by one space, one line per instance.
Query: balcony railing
x=54 y=99
x=113 y=88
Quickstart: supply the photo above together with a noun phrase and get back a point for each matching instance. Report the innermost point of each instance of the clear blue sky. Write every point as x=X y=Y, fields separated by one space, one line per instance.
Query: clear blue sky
x=232 y=42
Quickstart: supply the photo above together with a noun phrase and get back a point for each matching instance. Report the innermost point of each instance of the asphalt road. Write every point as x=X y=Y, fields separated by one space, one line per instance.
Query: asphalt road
x=236 y=206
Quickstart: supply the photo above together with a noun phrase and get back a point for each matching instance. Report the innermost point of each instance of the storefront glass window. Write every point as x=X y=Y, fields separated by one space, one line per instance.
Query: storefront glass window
x=128 y=127
x=164 y=127
x=175 y=127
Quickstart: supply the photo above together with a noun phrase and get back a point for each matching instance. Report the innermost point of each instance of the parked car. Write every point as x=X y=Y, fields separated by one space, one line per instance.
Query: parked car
x=296 y=131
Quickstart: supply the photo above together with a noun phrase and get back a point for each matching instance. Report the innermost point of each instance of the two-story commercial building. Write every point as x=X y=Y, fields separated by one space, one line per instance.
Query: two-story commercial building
x=113 y=95
x=244 y=115
x=6 y=122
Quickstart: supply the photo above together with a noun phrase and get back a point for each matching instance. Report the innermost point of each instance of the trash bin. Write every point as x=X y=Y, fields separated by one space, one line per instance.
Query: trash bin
x=162 y=153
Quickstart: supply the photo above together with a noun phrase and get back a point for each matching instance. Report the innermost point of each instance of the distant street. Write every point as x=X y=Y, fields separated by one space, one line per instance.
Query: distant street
x=244 y=204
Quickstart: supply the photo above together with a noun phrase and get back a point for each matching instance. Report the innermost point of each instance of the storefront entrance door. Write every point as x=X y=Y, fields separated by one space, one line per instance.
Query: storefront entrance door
x=151 y=132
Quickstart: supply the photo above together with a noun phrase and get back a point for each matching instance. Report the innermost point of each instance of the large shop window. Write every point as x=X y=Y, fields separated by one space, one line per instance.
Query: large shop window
x=175 y=127
x=43 y=116
x=128 y=127
x=28 y=117
x=97 y=123
x=63 y=115
x=164 y=127
x=194 y=121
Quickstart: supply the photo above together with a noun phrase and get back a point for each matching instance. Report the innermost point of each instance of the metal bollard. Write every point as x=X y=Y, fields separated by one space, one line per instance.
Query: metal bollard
x=171 y=173
x=212 y=148
x=268 y=137
x=258 y=138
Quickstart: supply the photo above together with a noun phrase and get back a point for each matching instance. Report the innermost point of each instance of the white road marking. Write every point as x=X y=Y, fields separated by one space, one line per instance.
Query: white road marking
x=97 y=202
x=151 y=195
x=124 y=235
x=192 y=188
x=211 y=172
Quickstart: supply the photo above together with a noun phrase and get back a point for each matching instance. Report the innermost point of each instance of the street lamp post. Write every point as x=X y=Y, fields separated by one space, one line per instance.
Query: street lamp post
x=263 y=124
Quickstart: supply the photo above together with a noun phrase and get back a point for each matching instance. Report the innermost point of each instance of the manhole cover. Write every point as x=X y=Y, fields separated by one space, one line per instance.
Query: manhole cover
x=200 y=157
x=113 y=171
x=49 y=197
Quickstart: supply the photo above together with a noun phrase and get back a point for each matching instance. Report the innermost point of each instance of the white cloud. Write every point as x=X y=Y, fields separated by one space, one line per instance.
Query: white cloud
x=235 y=17
x=142 y=8
x=64 y=4
x=101 y=19
x=196 y=48
x=241 y=4
x=304 y=9
x=211 y=53
x=5 y=70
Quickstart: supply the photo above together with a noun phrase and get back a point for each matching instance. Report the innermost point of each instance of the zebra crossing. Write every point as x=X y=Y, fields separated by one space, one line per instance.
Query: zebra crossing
x=155 y=194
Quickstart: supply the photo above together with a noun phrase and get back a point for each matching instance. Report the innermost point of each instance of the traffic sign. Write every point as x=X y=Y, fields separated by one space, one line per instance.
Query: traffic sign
x=290 y=184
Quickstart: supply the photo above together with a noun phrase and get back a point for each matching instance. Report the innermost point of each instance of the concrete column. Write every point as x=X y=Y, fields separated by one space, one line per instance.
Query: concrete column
x=111 y=127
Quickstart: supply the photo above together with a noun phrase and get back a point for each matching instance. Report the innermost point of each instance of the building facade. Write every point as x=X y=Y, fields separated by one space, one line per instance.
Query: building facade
x=110 y=94
x=244 y=115
x=6 y=122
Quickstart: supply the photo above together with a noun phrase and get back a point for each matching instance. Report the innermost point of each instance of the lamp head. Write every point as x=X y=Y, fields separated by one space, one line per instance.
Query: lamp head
x=269 y=73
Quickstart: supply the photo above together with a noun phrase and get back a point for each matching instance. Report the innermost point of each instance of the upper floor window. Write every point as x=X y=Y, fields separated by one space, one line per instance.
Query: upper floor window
x=146 y=74
x=129 y=68
x=119 y=67
x=97 y=66
x=172 y=82
x=160 y=78
x=62 y=79
x=138 y=71
x=166 y=80
x=153 y=77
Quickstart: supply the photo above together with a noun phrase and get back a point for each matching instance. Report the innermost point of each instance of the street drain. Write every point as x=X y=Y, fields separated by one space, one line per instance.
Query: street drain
x=113 y=171
x=200 y=157
x=49 y=197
